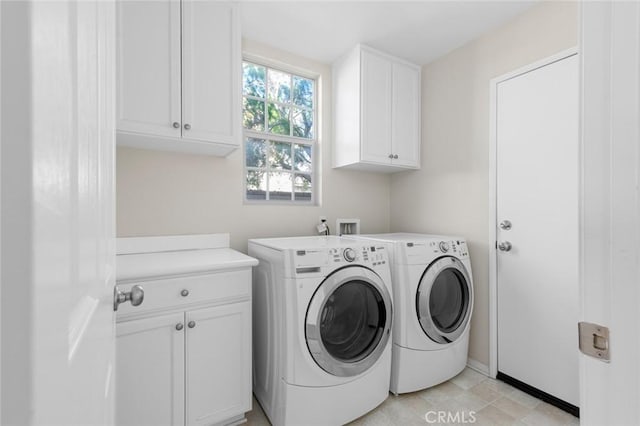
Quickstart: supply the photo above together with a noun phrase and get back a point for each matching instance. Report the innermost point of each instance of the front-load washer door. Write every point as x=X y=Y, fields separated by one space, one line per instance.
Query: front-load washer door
x=348 y=321
x=444 y=300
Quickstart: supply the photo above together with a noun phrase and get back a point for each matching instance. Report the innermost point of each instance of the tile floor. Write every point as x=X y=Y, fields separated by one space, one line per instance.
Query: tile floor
x=493 y=403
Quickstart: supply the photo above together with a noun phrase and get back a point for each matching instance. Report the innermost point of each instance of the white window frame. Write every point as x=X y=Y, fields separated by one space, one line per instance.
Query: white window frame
x=272 y=137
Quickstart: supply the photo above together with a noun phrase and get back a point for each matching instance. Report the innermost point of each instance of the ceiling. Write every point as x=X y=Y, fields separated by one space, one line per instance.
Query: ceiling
x=419 y=31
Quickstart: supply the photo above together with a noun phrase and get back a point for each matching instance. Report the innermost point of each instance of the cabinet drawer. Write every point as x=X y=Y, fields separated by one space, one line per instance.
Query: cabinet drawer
x=178 y=292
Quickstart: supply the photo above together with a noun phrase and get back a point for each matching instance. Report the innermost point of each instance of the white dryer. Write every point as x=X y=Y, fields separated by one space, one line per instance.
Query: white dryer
x=433 y=295
x=322 y=318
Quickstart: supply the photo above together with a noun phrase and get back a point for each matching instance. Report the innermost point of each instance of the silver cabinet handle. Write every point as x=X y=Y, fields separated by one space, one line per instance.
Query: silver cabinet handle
x=179 y=326
x=184 y=293
x=390 y=155
x=395 y=156
x=187 y=126
x=504 y=246
x=135 y=296
x=191 y=324
x=505 y=224
x=176 y=125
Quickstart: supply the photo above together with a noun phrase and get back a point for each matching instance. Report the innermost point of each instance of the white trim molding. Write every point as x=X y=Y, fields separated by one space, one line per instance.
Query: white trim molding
x=478 y=366
x=610 y=208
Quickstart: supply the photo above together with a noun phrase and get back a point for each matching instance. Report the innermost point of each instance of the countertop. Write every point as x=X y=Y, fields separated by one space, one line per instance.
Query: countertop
x=170 y=263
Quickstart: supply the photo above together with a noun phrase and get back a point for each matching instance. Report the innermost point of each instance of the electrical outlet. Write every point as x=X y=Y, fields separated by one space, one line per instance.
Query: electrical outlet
x=323 y=219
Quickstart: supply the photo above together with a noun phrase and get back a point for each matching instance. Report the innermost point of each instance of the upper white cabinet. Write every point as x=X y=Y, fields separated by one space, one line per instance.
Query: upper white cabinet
x=405 y=115
x=376 y=112
x=178 y=76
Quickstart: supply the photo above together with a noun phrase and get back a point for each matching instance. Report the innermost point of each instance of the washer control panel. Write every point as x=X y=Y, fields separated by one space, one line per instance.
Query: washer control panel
x=321 y=261
x=349 y=254
x=376 y=255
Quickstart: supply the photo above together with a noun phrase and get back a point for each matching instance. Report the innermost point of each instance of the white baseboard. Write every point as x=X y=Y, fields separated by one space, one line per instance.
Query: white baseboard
x=478 y=366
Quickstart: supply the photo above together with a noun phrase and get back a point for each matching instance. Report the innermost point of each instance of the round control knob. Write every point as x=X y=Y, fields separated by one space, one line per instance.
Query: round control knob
x=444 y=246
x=349 y=255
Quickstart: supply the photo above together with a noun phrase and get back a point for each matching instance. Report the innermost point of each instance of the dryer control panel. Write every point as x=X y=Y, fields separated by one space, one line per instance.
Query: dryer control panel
x=423 y=251
x=457 y=248
x=364 y=255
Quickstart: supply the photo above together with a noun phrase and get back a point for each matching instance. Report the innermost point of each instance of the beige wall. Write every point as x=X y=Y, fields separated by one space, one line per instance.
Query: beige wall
x=450 y=194
x=160 y=193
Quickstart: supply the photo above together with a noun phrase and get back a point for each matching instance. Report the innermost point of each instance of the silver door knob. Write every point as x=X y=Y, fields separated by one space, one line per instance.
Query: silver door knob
x=395 y=156
x=390 y=155
x=179 y=326
x=504 y=246
x=135 y=296
x=184 y=293
x=505 y=224
x=176 y=125
x=191 y=324
x=187 y=126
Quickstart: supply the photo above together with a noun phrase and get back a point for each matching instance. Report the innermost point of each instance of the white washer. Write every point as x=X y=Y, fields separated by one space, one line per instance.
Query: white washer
x=322 y=317
x=433 y=294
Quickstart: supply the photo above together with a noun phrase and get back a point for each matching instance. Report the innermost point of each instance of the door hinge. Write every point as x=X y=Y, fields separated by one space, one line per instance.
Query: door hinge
x=594 y=340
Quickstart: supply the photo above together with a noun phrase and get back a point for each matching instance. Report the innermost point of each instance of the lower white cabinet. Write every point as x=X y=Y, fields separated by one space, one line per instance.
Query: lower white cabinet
x=150 y=366
x=186 y=368
x=218 y=363
x=183 y=331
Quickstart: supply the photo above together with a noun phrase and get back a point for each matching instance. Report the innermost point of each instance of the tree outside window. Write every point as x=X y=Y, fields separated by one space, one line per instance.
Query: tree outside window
x=278 y=118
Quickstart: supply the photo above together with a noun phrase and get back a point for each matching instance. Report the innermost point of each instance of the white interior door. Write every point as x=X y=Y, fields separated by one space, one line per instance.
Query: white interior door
x=58 y=245
x=537 y=192
x=610 y=238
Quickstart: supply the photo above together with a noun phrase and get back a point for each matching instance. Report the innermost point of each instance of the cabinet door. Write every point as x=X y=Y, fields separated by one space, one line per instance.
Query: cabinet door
x=218 y=363
x=148 y=67
x=150 y=371
x=211 y=72
x=376 y=108
x=405 y=115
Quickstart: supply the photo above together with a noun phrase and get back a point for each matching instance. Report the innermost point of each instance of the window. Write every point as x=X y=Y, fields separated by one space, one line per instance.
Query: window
x=280 y=134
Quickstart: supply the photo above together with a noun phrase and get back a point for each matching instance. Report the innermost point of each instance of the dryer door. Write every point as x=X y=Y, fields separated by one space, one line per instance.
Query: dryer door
x=348 y=321
x=444 y=300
